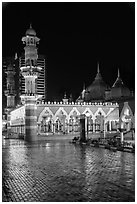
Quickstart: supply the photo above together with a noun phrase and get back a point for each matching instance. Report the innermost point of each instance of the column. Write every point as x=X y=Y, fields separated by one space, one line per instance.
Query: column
x=104 y=128
x=122 y=136
x=82 y=128
x=121 y=132
x=93 y=125
x=64 y=124
x=109 y=125
x=68 y=127
x=72 y=126
x=58 y=125
x=8 y=124
x=86 y=123
x=54 y=126
x=30 y=119
x=38 y=125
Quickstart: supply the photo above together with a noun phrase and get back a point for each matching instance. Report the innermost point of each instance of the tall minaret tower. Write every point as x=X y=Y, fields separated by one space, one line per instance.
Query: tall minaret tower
x=10 y=93
x=30 y=72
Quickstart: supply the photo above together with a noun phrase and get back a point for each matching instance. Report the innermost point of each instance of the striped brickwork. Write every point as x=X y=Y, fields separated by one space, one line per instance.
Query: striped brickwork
x=30 y=119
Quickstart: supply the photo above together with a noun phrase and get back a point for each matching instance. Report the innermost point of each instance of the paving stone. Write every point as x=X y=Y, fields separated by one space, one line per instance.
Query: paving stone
x=64 y=172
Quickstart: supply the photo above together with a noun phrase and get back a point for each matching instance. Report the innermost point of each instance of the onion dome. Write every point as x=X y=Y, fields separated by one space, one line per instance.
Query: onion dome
x=31 y=31
x=96 y=91
x=118 y=89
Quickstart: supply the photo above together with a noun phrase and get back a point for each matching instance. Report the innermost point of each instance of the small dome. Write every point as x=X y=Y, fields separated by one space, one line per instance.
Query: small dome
x=31 y=31
x=96 y=91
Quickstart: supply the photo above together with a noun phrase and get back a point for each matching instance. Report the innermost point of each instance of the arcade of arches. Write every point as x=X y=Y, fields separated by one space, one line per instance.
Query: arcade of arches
x=65 y=123
x=66 y=118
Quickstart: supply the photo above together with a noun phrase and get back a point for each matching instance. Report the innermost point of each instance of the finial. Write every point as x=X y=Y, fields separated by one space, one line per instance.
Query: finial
x=98 y=71
x=118 y=73
x=83 y=86
x=30 y=25
x=65 y=96
x=16 y=56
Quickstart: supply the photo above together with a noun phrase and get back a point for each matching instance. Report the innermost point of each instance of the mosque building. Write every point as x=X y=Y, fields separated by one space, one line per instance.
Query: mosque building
x=106 y=108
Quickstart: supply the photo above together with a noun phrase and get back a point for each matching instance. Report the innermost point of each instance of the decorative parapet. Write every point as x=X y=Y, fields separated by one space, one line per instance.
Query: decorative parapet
x=78 y=103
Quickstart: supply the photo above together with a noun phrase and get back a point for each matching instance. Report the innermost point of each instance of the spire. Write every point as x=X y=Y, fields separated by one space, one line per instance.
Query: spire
x=118 y=73
x=83 y=91
x=118 y=81
x=83 y=86
x=98 y=75
x=65 y=96
x=16 y=56
x=98 y=71
x=30 y=25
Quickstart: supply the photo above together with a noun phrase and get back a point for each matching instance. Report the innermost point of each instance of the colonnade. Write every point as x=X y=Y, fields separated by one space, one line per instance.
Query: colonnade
x=73 y=126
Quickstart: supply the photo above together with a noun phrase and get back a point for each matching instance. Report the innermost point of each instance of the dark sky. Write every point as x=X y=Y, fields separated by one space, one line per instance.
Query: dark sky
x=74 y=37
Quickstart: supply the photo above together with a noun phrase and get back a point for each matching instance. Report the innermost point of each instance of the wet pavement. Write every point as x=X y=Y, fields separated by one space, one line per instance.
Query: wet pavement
x=58 y=171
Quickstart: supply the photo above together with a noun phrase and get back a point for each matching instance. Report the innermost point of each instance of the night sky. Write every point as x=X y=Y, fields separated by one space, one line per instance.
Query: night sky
x=74 y=37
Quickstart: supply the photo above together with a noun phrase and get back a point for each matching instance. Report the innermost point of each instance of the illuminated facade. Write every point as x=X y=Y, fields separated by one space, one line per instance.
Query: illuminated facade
x=63 y=117
x=60 y=117
x=97 y=102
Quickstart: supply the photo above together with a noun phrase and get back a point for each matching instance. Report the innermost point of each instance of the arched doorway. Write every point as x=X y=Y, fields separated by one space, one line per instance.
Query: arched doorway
x=99 y=122
x=74 y=122
x=90 y=124
x=60 y=122
x=46 y=124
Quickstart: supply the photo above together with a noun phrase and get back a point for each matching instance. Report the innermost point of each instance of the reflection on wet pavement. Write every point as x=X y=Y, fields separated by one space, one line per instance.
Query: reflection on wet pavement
x=60 y=171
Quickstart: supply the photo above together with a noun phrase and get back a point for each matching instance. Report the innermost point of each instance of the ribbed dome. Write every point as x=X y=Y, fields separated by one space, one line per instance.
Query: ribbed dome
x=96 y=91
x=31 y=32
x=119 y=89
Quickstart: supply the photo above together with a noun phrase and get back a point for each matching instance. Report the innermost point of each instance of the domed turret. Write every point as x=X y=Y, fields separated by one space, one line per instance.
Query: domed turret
x=96 y=91
x=65 y=99
x=31 y=31
x=118 y=89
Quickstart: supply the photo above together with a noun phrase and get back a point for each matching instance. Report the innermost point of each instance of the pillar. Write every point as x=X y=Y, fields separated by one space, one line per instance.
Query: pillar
x=82 y=128
x=122 y=136
x=68 y=127
x=104 y=129
x=30 y=119
x=121 y=132
x=54 y=124
x=38 y=126
x=59 y=125
x=63 y=124
x=8 y=124
x=93 y=126
x=109 y=125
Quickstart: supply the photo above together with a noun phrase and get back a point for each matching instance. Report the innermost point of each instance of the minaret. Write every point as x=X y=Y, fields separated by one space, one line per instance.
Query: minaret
x=30 y=72
x=10 y=93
